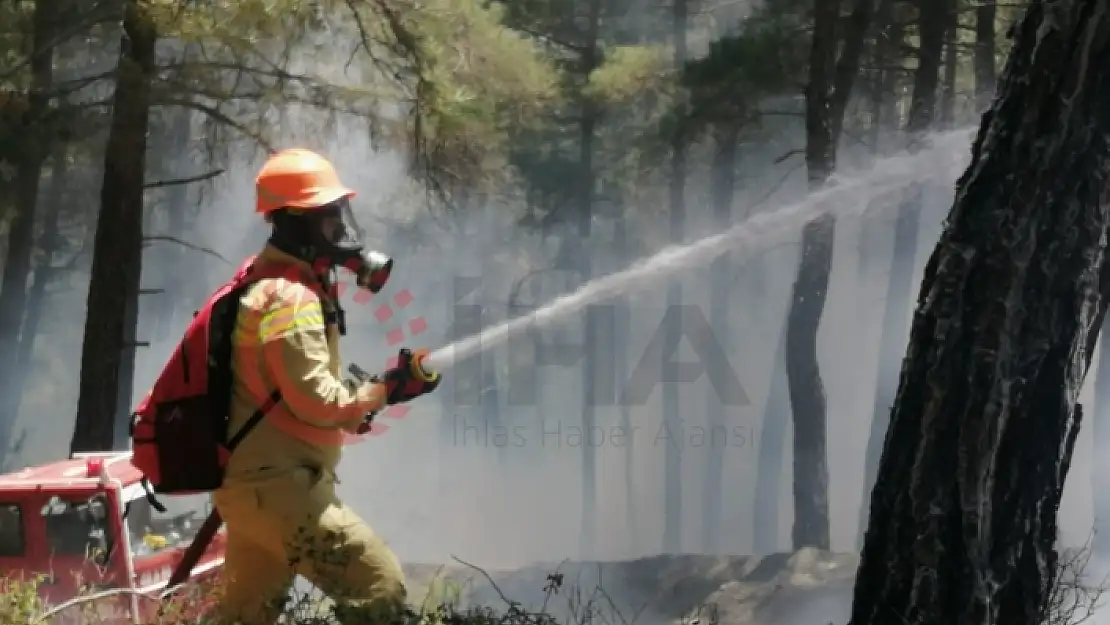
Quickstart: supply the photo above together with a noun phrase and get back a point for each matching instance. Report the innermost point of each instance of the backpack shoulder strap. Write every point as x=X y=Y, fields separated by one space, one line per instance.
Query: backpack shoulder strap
x=252 y=271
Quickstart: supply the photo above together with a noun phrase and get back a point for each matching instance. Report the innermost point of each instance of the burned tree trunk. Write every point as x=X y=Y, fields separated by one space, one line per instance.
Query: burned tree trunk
x=963 y=517
x=117 y=250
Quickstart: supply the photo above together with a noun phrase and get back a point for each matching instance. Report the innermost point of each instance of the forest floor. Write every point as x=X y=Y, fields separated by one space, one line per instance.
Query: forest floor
x=808 y=587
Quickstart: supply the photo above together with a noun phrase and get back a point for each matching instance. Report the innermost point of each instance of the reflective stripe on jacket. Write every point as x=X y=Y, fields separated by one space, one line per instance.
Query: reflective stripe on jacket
x=284 y=339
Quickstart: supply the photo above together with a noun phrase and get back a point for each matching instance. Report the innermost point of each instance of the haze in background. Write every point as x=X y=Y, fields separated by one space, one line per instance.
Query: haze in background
x=440 y=482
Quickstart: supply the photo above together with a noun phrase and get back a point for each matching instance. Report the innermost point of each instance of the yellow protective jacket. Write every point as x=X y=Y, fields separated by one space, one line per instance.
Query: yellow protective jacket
x=286 y=338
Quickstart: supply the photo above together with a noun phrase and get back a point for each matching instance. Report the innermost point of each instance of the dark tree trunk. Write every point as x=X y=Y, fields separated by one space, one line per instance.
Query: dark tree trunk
x=672 y=485
x=841 y=72
x=963 y=518
x=724 y=184
x=807 y=391
x=985 y=49
x=827 y=90
x=933 y=25
x=117 y=252
x=803 y=375
x=590 y=60
x=33 y=148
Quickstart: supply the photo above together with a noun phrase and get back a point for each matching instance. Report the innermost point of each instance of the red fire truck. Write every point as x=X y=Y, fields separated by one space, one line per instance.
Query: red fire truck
x=86 y=524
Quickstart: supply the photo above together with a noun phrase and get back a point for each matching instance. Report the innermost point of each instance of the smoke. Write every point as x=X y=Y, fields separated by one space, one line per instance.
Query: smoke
x=444 y=481
x=447 y=480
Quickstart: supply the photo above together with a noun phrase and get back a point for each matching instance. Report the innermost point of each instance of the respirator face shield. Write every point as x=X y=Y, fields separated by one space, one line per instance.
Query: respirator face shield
x=338 y=225
x=342 y=243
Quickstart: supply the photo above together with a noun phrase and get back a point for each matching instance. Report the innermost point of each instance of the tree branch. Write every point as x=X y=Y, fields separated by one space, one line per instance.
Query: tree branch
x=183 y=243
x=176 y=181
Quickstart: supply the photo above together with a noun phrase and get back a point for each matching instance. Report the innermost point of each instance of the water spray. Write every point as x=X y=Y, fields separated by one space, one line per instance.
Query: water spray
x=888 y=174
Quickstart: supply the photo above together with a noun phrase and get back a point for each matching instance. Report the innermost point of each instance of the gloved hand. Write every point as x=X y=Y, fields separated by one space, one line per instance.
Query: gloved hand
x=408 y=379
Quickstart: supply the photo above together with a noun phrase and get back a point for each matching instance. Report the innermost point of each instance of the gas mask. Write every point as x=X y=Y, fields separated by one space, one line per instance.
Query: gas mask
x=328 y=237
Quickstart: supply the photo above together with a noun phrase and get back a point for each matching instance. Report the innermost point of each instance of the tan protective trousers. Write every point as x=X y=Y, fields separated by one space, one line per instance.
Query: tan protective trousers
x=295 y=524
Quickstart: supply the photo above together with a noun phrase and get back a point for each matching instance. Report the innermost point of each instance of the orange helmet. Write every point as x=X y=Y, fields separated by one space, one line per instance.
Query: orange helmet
x=297 y=178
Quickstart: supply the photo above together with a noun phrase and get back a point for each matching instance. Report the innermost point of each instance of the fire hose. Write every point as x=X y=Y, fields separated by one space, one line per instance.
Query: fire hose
x=208 y=530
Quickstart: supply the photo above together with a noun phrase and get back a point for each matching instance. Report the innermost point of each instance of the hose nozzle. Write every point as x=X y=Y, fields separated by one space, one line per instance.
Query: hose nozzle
x=406 y=358
x=415 y=362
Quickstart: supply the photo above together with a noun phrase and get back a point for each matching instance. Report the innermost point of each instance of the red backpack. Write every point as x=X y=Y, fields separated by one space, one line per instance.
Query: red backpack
x=179 y=430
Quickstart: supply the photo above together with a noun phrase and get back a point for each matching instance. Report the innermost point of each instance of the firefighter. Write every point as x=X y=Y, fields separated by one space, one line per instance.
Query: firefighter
x=278 y=498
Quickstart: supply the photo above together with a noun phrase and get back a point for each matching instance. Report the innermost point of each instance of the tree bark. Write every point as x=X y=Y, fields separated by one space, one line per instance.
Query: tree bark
x=672 y=485
x=807 y=391
x=33 y=142
x=962 y=526
x=117 y=251
x=723 y=189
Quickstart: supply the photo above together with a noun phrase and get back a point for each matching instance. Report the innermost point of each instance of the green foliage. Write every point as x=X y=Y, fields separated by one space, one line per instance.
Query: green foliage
x=765 y=58
x=476 y=82
x=20 y=601
x=444 y=79
x=629 y=73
